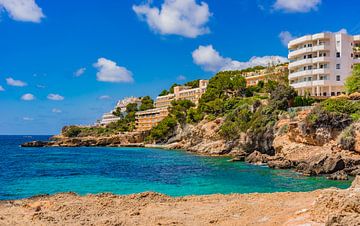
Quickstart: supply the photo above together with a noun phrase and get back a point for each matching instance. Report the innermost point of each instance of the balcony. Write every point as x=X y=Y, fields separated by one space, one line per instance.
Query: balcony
x=299 y=63
x=310 y=84
x=319 y=71
x=307 y=50
x=308 y=38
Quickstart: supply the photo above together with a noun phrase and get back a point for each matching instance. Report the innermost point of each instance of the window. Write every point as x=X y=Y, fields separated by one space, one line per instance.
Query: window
x=338 y=78
x=338 y=54
x=338 y=66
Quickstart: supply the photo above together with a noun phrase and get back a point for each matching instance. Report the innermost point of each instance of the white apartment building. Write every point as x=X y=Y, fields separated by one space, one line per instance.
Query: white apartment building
x=183 y=93
x=320 y=63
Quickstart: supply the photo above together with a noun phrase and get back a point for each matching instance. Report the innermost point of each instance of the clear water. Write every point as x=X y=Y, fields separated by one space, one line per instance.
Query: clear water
x=27 y=172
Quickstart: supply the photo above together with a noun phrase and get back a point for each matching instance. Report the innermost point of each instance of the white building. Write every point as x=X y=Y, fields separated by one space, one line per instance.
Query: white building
x=109 y=117
x=127 y=100
x=320 y=63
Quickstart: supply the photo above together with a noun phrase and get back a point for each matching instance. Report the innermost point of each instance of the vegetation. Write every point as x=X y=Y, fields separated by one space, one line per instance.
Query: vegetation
x=125 y=124
x=334 y=114
x=164 y=93
x=300 y=101
x=352 y=83
x=146 y=103
x=178 y=114
x=346 y=139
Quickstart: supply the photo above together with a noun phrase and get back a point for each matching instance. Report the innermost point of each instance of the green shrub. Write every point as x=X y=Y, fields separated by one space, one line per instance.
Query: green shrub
x=71 y=131
x=163 y=130
x=352 y=83
x=346 y=139
x=300 y=101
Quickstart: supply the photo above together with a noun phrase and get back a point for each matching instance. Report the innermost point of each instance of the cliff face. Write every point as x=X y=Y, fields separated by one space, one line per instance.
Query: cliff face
x=313 y=153
x=202 y=138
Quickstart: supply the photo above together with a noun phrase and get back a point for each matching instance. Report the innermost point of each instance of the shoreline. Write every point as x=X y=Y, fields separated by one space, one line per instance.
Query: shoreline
x=319 y=207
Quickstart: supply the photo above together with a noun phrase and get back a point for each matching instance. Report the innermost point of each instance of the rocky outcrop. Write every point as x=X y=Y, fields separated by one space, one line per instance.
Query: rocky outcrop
x=203 y=138
x=132 y=139
x=339 y=207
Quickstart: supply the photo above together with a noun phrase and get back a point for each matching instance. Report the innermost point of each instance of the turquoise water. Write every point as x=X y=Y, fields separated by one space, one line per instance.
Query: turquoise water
x=26 y=172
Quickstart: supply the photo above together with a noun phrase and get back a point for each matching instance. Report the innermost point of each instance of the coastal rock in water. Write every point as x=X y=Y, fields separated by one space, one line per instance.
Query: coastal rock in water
x=36 y=144
x=280 y=164
x=257 y=158
x=340 y=175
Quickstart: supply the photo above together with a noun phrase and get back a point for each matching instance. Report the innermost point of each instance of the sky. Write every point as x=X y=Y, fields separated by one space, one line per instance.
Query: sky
x=67 y=62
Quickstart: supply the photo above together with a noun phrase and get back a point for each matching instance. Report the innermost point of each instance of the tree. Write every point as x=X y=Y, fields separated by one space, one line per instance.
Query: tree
x=132 y=107
x=352 y=83
x=193 y=84
x=164 y=93
x=171 y=90
x=146 y=103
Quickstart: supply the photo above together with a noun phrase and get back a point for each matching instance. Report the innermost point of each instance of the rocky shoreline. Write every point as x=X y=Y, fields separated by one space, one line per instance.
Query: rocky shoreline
x=314 y=153
x=322 y=207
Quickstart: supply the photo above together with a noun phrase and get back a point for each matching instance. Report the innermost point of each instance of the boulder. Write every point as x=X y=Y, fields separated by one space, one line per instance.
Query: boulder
x=257 y=158
x=340 y=175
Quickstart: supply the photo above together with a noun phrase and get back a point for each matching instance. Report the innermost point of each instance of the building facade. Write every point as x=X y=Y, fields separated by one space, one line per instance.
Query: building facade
x=145 y=120
x=109 y=117
x=270 y=73
x=320 y=63
x=183 y=93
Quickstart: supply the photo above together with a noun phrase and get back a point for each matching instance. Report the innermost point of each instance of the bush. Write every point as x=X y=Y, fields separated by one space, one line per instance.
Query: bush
x=146 y=103
x=300 y=101
x=352 y=83
x=346 y=139
x=71 y=131
x=163 y=130
x=194 y=116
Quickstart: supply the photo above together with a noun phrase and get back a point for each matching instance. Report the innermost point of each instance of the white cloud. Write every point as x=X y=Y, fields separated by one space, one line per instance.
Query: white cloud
x=12 y=82
x=2 y=89
x=55 y=110
x=181 y=78
x=80 y=72
x=297 y=6
x=176 y=17
x=27 y=119
x=104 y=97
x=211 y=60
x=55 y=97
x=23 y=10
x=286 y=37
x=109 y=71
x=28 y=97
x=343 y=31
x=40 y=86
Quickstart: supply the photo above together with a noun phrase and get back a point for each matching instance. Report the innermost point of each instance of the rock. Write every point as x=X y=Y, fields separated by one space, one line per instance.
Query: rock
x=340 y=175
x=324 y=163
x=35 y=144
x=280 y=164
x=257 y=158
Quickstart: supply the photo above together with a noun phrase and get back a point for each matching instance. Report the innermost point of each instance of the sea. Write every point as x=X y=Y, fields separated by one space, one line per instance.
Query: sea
x=26 y=172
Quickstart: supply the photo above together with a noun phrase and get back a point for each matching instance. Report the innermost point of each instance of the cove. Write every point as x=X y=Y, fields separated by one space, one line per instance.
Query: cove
x=26 y=172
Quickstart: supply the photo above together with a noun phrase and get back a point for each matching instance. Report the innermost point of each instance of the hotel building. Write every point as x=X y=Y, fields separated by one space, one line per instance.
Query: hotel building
x=320 y=63
x=270 y=73
x=109 y=117
x=145 y=120
x=183 y=93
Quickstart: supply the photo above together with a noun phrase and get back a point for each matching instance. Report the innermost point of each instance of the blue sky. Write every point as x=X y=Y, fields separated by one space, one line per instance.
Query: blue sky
x=67 y=62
